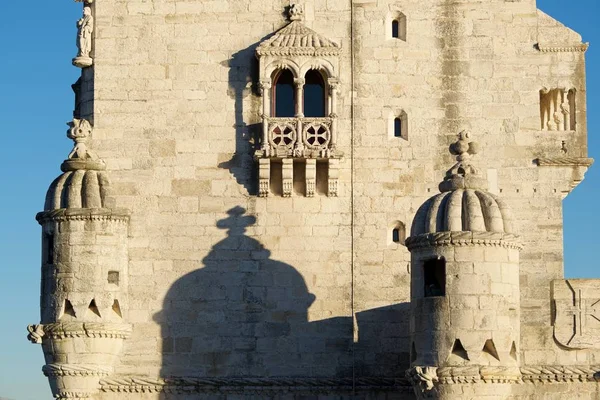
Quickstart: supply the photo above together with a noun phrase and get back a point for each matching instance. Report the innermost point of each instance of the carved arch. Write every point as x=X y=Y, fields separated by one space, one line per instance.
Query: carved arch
x=277 y=65
x=320 y=65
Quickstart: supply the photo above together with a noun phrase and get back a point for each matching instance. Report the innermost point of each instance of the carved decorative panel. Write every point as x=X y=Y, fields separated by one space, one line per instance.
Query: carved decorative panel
x=577 y=313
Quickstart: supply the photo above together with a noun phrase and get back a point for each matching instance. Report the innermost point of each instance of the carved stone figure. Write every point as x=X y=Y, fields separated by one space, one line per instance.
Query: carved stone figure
x=85 y=28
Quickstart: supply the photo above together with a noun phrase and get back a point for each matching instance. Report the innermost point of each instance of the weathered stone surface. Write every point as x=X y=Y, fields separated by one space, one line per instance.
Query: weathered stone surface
x=281 y=277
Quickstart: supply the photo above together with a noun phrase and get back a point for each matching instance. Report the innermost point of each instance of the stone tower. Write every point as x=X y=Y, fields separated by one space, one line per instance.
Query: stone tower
x=84 y=274
x=465 y=298
x=266 y=157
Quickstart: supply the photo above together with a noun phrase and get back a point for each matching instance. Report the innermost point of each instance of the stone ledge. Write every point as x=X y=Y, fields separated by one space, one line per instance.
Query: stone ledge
x=562 y=48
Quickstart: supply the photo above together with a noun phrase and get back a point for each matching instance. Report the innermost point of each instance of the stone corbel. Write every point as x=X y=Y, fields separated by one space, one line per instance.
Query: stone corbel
x=311 y=177
x=332 y=179
x=288 y=176
x=264 y=176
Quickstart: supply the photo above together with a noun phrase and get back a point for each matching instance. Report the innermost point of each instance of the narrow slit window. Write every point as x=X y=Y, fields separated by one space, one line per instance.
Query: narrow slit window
x=49 y=249
x=434 y=277
x=397 y=127
x=284 y=101
x=396 y=29
x=398 y=233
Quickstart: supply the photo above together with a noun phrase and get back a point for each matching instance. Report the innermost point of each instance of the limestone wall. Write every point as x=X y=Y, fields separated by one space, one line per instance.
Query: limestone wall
x=223 y=283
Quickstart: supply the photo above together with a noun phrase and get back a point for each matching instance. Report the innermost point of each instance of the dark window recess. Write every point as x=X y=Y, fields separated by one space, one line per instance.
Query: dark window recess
x=284 y=103
x=49 y=249
x=396 y=29
x=314 y=95
x=396 y=235
x=434 y=274
x=397 y=127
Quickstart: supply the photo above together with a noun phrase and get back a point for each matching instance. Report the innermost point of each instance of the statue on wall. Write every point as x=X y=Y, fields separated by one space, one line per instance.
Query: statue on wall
x=85 y=29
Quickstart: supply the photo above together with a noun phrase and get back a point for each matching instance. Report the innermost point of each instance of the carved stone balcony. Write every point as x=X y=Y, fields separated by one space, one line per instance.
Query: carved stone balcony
x=290 y=143
x=298 y=138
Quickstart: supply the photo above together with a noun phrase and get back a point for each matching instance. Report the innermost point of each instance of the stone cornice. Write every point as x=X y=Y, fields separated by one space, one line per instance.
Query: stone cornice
x=83 y=214
x=307 y=51
x=496 y=239
x=564 y=161
x=561 y=48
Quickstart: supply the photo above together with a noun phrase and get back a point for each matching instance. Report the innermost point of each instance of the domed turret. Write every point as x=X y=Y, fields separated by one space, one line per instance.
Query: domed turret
x=84 y=274
x=464 y=287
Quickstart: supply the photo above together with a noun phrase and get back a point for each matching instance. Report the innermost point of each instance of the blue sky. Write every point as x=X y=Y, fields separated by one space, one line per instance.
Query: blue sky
x=37 y=44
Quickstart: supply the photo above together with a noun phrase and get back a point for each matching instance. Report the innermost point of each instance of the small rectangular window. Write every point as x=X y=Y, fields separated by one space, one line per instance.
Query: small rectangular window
x=434 y=277
x=395 y=29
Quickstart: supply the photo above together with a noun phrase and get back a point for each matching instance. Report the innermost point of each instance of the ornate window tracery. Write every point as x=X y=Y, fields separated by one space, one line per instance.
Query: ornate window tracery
x=299 y=86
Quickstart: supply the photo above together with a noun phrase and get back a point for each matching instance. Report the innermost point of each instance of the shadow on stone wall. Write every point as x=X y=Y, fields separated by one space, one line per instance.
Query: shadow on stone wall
x=243 y=314
x=243 y=73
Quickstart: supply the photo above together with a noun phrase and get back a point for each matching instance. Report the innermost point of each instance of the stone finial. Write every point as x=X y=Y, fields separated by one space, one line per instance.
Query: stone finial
x=463 y=175
x=296 y=12
x=81 y=157
x=80 y=130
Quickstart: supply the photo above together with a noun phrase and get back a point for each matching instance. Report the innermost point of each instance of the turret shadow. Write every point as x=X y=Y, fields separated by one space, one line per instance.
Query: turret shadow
x=243 y=314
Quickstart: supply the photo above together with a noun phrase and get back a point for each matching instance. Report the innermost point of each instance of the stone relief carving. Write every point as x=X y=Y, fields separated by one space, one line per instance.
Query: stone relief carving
x=557 y=109
x=85 y=29
x=36 y=333
x=577 y=313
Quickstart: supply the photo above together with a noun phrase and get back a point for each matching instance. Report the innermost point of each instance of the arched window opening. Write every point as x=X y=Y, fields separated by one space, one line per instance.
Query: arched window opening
x=284 y=102
x=398 y=232
x=397 y=127
x=314 y=95
x=396 y=28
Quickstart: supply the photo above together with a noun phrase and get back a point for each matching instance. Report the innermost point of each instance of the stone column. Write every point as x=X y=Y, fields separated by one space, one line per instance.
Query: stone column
x=299 y=84
x=311 y=176
x=287 y=170
x=265 y=91
x=333 y=89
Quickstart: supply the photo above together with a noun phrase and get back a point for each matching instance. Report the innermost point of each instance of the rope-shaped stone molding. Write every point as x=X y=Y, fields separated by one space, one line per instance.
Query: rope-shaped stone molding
x=551 y=374
x=491 y=239
x=564 y=161
x=83 y=214
x=279 y=384
x=73 y=396
x=64 y=330
x=449 y=375
x=75 y=370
